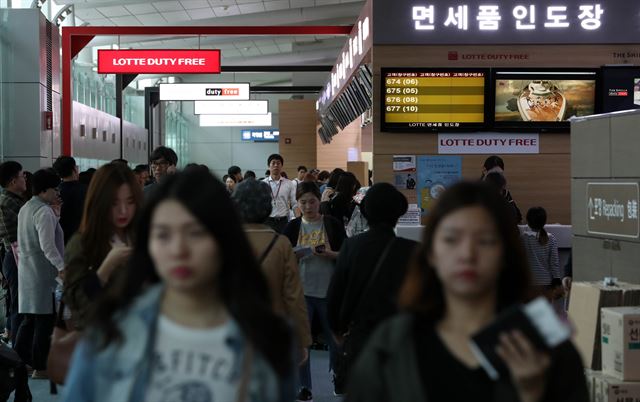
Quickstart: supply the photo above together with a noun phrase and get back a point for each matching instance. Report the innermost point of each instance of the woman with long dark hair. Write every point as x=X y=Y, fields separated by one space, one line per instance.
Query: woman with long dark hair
x=104 y=239
x=192 y=320
x=341 y=204
x=470 y=268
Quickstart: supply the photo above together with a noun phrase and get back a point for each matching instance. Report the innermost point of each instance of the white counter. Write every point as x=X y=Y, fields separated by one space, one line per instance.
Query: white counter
x=562 y=233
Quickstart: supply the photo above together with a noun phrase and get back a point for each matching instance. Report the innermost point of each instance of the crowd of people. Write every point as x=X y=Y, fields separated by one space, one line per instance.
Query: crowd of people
x=178 y=286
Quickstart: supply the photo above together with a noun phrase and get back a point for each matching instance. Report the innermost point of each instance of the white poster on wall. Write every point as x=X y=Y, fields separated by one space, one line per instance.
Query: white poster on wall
x=489 y=143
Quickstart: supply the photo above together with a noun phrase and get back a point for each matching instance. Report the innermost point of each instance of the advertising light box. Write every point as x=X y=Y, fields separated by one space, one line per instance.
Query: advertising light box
x=542 y=99
x=219 y=120
x=431 y=99
x=210 y=92
x=158 y=61
x=231 y=107
x=470 y=22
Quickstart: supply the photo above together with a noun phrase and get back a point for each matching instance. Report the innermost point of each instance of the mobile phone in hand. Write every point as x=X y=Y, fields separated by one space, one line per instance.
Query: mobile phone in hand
x=320 y=249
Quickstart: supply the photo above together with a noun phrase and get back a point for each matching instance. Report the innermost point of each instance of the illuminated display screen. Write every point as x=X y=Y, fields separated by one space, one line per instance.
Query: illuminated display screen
x=544 y=98
x=433 y=99
x=621 y=88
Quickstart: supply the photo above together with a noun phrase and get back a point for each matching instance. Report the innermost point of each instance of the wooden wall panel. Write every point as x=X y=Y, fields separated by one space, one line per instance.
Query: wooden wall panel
x=297 y=123
x=334 y=155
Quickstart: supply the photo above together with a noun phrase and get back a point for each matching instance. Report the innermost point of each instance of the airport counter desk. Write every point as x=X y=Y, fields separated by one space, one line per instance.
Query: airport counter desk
x=562 y=234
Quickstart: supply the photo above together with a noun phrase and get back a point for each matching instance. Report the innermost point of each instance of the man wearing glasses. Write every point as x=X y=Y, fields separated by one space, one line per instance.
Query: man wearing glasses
x=163 y=163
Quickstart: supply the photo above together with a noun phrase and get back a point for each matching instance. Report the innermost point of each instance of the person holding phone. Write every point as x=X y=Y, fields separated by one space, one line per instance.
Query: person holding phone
x=317 y=239
x=470 y=268
x=102 y=246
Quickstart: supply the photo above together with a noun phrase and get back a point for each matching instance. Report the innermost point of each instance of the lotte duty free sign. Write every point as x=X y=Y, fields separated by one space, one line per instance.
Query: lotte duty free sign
x=158 y=61
x=612 y=209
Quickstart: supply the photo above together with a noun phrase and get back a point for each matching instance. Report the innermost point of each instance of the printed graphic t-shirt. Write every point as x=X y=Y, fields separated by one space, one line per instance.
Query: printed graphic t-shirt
x=315 y=271
x=192 y=365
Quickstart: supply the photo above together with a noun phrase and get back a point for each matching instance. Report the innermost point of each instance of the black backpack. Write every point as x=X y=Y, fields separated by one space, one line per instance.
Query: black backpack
x=13 y=376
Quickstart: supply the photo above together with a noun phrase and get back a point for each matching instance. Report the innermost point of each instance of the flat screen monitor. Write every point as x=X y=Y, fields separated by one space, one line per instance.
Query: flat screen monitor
x=543 y=99
x=434 y=99
x=620 y=88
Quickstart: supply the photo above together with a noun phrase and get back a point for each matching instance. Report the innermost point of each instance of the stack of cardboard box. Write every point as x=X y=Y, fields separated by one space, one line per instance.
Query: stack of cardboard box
x=619 y=380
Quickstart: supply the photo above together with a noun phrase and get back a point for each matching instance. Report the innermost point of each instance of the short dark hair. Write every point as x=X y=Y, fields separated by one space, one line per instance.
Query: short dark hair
x=234 y=170
x=308 y=187
x=302 y=167
x=165 y=153
x=334 y=177
x=141 y=169
x=121 y=161
x=194 y=166
x=276 y=157
x=383 y=205
x=44 y=179
x=64 y=166
x=493 y=161
x=8 y=171
x=249 y=174
x=253 y=200
x=324 y=175
x=267 y=173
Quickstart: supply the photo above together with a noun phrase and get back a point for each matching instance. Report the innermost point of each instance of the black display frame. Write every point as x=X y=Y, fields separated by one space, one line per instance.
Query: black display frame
x=562 y=73
x=604 y=95
x=404 y=128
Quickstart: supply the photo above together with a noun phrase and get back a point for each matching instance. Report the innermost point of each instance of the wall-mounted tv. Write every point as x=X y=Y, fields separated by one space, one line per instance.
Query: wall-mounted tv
x=620 y=88
x=543 y=98
x=434 y=99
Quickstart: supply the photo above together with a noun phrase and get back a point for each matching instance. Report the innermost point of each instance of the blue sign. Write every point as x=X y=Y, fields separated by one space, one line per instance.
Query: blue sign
x=435 y=175
x=261 y=135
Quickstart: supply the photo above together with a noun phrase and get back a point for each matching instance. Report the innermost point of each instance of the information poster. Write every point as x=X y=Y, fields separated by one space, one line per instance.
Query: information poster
x=435 y=175
x=404 y=172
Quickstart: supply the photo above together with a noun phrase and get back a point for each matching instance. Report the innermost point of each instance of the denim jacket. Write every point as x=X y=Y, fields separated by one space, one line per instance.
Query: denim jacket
x=122 y=371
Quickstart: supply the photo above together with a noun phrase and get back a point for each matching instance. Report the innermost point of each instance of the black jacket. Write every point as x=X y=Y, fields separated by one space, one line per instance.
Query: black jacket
x=387 y=370
x=335 y=231
x=357 y=260
x=72 y=194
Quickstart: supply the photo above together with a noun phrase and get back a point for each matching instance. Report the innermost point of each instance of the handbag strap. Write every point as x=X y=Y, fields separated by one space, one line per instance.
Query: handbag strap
x=372 y=278
x=266 y=252
x=60 y=323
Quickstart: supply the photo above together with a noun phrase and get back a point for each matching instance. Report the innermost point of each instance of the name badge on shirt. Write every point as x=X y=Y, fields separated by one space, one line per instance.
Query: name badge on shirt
x=274 y=203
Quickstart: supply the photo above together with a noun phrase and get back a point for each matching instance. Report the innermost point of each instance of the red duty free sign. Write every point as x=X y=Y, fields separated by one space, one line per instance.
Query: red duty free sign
x=158 y=61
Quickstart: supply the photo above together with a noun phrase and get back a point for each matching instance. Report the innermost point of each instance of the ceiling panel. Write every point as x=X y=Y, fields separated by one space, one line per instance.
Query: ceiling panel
x=176 y=16
x=126 y=21
x=89 y=14
x=114 y=11
x=269 y=49
x=251 y=8
x=219 y=3
x=152 y=19
x=194 y=4
x=302 y=3
x=276 y=5
x=226 y=11
x=163 y=6
x=201 y=13
x=101 y=22
x=143 y=8
x=326 y=2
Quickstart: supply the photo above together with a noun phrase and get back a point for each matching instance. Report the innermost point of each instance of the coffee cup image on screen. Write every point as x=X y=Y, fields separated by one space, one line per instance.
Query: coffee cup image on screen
x=543 y=100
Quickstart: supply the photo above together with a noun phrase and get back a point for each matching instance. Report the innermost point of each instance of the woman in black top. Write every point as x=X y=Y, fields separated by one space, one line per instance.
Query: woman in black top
x=470 y=268
x=340 y=204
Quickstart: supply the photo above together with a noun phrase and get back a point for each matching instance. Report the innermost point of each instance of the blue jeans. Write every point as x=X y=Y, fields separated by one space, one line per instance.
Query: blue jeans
x=10 y=272
x=318 y=306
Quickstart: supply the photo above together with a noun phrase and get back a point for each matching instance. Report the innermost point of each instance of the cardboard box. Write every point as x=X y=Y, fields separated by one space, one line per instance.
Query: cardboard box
x=621 y=342
x=609 y=389
x=587 y=298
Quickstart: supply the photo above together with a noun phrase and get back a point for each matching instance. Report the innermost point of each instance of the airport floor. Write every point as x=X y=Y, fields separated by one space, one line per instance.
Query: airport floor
x=322 y=392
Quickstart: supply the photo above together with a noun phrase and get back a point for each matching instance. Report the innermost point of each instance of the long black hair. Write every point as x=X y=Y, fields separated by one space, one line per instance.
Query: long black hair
x=423 y=291
x=240 y=283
